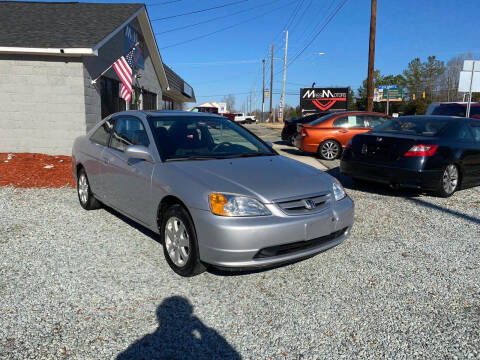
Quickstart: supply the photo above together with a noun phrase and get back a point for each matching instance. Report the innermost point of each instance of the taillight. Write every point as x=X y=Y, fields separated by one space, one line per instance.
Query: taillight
x=303 y=132
x=422 y=150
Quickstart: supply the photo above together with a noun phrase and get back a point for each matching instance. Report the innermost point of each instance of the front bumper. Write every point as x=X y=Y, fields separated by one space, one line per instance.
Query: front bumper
x=411 y=178
x=269 y=240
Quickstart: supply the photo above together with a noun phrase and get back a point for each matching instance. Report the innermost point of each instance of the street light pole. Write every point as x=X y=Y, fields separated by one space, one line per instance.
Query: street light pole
x=282 y=102
x=271 y=81
x=263 y=90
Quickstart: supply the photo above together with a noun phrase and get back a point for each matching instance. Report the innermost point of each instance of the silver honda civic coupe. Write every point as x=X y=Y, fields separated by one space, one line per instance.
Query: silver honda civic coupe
x=214 y=192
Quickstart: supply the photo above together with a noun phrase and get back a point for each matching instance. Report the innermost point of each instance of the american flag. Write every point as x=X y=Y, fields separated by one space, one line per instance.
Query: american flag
x=124 y=68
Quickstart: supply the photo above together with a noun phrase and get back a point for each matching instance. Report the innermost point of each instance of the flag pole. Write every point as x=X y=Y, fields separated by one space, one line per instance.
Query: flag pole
x=94 y=81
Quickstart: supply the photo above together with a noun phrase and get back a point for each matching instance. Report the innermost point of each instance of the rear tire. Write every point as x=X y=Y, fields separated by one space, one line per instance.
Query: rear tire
x=84 y=192
x=179 y=242
x=449 y=181
x=329 y=150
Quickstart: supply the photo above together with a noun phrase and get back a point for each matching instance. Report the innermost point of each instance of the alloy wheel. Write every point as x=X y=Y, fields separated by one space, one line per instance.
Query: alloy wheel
x=329 y=150
x=450 y=179
x=83 y=188
x=177 y=241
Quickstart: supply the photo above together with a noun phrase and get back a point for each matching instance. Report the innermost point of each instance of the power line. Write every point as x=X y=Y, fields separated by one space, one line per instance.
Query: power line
x=318 y=33
x=197 y=11
x=165 y=3
x=223 y=29
x=212 y=19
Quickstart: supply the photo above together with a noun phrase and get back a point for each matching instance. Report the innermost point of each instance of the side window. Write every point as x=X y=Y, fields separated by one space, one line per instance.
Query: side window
x=128 y=131
x=341 y=122
x=476 y=130
x=464 y=133
x=102 y=134
x=350 y=121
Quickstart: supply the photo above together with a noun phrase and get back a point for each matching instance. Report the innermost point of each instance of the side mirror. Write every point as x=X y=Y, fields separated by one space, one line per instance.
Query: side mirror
x=138 y=152
x=269 y=144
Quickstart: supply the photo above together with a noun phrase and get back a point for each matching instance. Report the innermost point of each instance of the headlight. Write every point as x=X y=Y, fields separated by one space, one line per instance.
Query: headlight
x=338 y=190
x=233 y=205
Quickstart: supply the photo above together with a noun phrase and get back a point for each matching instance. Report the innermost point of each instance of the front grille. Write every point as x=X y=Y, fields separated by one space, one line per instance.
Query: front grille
x=307 y=204
x=297 y=246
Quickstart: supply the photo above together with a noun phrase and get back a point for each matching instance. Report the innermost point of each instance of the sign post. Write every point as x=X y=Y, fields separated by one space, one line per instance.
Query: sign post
x=469 y=80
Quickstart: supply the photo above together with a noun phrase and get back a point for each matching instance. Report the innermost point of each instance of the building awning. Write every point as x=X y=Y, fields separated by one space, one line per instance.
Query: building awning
x=178 y=89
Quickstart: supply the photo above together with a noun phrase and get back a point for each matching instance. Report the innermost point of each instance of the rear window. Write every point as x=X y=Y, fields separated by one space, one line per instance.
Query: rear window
x=413 y=126
x=449 y=110
x=322 y=119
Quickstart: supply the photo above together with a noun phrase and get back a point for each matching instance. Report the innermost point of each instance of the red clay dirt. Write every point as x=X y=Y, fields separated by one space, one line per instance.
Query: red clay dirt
x=29 y=170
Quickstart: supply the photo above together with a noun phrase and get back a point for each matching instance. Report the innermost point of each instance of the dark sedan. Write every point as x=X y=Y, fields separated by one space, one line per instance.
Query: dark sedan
x=437 y=153
x=289 y=131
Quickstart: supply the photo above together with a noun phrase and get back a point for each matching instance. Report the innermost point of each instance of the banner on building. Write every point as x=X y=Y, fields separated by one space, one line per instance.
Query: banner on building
x=314 y=100
x=131 y=38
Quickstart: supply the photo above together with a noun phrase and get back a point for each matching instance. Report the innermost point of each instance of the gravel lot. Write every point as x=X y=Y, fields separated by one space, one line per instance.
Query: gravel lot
x=89 y=285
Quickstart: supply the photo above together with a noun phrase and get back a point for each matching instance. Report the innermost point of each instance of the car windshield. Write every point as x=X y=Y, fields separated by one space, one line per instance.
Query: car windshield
x=413 y=126
x=202 y=138
x=322 y=119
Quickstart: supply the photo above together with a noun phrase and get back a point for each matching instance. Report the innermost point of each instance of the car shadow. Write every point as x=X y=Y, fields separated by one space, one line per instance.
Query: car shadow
x=145 y=231
x=179 y=335
x=374 y=188
x=210 y=269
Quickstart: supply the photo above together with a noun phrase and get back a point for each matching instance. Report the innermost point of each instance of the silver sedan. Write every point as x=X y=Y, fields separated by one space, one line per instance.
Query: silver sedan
x=214 y=192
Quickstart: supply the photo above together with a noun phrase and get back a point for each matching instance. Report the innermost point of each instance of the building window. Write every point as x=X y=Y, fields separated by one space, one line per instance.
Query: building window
x=167 y=103
x=110 y=97
x=149 y=100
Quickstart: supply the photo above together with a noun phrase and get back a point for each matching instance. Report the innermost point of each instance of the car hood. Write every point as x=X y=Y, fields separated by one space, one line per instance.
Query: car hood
x=267 y=178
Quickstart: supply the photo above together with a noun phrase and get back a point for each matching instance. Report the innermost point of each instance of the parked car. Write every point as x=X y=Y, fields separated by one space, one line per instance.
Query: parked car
x=438 y=153
x=241 y=118
x=328 y=135
x=289 y=131
x=215 y=193
x=453 y=109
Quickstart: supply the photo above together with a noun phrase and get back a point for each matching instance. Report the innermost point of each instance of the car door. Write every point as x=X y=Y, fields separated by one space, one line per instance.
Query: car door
x=475 y=127
x=128 y=181
x=347 y=127
x=98 y=142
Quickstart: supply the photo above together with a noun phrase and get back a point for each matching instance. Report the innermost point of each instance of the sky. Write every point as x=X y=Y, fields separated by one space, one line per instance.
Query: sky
x=229 y=60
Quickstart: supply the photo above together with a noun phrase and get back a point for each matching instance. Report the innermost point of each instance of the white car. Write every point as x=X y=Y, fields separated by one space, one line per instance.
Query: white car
x=241 y=118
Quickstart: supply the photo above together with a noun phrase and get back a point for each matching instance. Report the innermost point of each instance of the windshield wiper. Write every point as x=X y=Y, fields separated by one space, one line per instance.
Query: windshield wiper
x=247 y=155
x=193 y=158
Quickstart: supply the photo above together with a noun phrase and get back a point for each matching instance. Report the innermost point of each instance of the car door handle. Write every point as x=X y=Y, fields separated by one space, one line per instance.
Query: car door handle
x=106 y=161
x=343 y=131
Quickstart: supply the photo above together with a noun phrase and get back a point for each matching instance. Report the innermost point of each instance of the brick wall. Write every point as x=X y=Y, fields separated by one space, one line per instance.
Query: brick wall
x=42 y=103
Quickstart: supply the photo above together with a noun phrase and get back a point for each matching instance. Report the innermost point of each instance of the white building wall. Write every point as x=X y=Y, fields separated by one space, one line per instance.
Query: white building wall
x=42 y=103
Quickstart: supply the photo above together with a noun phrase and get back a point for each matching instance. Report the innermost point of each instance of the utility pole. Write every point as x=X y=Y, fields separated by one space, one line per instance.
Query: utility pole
x=255 y=99
x=271 y=81
x=371 y=55
x=263 y=90
x=282 y=102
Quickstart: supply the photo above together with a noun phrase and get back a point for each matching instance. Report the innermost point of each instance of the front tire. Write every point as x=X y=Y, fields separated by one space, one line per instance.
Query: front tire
x=449 y=181
x=329 y=150
x=179 y=242
x=85 y=195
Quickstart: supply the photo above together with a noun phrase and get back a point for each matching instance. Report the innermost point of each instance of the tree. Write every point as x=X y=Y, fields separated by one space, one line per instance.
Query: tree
x=378 y=79
x=230 y=101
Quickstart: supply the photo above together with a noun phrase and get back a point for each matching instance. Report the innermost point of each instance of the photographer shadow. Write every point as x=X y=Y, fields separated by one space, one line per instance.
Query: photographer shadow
x=180 y=335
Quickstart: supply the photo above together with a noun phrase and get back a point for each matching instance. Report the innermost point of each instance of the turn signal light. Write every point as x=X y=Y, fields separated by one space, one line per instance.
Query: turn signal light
x=422 y=150
x=217 y=203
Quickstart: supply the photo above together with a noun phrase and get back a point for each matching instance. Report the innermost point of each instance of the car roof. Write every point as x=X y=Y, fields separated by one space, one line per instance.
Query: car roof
x=159 y=113
x=435 y=117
